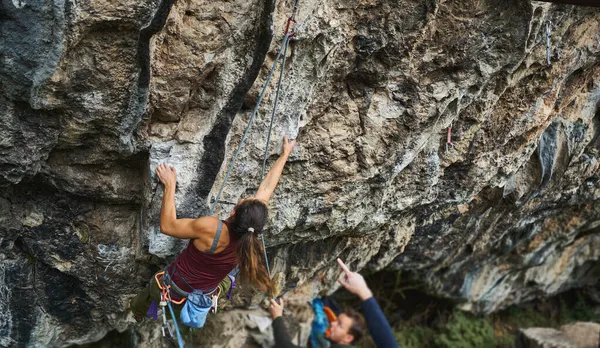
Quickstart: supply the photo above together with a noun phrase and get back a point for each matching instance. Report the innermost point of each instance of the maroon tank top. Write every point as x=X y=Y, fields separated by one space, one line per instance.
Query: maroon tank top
x=203 y=270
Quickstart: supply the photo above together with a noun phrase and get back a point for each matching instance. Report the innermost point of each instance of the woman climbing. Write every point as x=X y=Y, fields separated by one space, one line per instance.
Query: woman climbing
x=215 y=246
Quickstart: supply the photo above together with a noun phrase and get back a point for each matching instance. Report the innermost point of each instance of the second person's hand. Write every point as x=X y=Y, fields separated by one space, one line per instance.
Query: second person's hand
x=276 y=309
x=354 y=282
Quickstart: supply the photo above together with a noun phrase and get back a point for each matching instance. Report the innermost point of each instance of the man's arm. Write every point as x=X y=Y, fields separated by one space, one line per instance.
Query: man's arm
x=269 y=183
x=282 y=338
x=379 y=328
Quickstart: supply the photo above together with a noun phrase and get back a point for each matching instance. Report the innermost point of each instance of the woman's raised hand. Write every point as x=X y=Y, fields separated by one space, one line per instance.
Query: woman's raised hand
x=288 y=146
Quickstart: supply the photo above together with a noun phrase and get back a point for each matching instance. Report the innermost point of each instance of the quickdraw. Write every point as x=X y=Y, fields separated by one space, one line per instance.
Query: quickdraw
x=165 y=301
x=449 y=143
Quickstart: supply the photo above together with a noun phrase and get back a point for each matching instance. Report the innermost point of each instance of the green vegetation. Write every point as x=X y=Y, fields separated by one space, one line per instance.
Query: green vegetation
x=582 y=311
x=460 y=331
x=421 y=320
x=463 y=330
x=415 y=337
x=466 y=332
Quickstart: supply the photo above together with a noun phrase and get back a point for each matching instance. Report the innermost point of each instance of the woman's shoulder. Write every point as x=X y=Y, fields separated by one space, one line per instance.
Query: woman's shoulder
x=206 y=225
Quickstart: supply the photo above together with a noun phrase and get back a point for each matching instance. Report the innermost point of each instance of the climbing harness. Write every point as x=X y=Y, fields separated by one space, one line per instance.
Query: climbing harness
x=196 y=304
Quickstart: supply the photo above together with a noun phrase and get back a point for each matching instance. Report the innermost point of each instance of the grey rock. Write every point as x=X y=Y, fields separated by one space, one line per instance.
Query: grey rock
x=542 y=338
x=94 y=95
x=576 y=335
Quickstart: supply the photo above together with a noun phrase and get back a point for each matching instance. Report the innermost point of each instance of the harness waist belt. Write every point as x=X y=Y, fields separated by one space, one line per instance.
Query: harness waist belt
x=168 y=281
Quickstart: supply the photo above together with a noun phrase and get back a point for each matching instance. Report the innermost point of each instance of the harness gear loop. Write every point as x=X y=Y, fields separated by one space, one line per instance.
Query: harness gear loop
x=165 y=289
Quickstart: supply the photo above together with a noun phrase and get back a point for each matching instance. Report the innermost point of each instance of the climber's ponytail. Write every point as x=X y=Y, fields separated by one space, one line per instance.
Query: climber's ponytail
x=247 y=222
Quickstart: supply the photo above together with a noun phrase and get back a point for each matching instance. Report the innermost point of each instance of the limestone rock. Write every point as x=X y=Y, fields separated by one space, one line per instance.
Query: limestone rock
x=583 y=334
x=576 y=335
x=95 y=94
x=542 y=338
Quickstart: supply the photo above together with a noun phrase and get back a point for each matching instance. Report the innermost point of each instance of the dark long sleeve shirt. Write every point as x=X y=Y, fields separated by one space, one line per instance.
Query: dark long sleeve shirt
x=379 y=328
x=283 y=339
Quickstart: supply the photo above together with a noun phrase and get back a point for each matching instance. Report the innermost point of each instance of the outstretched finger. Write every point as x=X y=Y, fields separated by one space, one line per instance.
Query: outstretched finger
x=343 y=265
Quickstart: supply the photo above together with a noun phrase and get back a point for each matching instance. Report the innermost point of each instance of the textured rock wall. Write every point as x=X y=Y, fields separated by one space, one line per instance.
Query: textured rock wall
x=579 y=335
x=94 y=94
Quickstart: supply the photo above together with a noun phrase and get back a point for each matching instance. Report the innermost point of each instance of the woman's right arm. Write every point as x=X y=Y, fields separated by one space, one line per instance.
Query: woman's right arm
x=269 y=183
x=169 y=223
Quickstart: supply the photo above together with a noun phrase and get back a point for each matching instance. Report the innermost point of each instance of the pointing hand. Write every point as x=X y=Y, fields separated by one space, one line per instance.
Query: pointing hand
x=354 y=282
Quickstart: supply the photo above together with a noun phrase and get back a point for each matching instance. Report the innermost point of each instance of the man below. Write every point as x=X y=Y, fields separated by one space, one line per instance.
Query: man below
x=349 y=328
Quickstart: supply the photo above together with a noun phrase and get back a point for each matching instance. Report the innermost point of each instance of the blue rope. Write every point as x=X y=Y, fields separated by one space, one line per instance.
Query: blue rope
x=179 y=338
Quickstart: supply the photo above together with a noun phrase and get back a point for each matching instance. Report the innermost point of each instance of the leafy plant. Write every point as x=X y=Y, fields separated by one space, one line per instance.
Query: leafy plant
x=464 y=331
x=415 y=336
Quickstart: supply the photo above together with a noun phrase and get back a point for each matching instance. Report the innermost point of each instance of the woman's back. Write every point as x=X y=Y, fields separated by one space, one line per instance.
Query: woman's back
x=204 y=270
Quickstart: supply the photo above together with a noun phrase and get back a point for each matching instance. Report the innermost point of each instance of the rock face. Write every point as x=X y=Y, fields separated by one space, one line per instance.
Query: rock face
x=95 y=94
x=576 y=335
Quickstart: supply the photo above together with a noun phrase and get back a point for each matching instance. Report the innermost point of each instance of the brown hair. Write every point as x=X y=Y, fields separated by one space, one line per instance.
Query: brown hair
x=251 y=213
x=358 y=325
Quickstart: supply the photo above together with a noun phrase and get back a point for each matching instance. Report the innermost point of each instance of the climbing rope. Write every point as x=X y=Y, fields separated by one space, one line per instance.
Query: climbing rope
x=179 y=338
x=282 y=51
x=283 y=48
x=289 y=33
x=286 y=43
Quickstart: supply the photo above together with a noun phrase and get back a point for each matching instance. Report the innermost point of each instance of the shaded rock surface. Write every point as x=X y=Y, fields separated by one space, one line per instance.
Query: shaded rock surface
x=576 y=335
x=94 y=95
